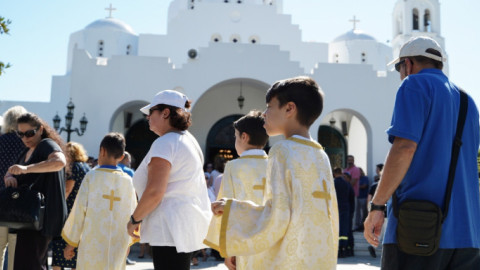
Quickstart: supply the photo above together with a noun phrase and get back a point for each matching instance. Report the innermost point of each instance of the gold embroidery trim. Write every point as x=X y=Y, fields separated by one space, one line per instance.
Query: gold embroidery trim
x=253 y=156
x=305 y=142
x=70 y=242
x=223 y=229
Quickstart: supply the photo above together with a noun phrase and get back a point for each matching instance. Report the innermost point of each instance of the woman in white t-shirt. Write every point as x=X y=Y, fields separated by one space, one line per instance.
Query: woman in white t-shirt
x=174 y=207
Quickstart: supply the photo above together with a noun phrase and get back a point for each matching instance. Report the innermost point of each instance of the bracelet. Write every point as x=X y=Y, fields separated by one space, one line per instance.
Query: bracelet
x=133 y=221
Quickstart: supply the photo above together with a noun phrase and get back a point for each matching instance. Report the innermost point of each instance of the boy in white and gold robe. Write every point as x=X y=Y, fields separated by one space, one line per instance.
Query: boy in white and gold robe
x=297 y=228
x=244 y=178
x=104 y=203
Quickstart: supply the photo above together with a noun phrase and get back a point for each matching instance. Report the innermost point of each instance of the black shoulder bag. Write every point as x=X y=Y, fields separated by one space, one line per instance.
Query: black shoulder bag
x=22 y=208
x=419 y=221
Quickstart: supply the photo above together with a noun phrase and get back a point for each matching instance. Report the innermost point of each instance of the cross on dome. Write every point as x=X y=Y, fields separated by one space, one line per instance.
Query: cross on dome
x=354 y=22
x=110 y=9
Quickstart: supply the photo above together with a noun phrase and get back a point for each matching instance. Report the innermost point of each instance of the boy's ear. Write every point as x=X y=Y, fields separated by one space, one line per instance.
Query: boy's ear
x=245 y=137
x=290 y=108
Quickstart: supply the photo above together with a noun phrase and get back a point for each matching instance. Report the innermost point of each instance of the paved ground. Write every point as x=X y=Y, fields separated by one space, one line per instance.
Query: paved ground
x=351 y=263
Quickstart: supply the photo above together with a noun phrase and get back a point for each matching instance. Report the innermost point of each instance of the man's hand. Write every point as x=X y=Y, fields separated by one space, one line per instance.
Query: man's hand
x=373 y=227
x=217 y=207
x=68 y=252
x=231 y=263
x=133 y=230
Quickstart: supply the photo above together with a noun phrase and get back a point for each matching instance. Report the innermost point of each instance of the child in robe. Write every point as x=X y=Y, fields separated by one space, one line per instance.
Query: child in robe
x=97 y=223
x=297 y=226
x=244 y=178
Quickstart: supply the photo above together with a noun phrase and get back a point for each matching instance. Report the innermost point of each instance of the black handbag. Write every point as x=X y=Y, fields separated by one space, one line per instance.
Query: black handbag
x=420 y=222
x=22 y=208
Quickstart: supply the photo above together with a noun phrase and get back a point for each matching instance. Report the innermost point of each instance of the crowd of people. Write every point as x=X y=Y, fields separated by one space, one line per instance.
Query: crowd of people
x=287 y=209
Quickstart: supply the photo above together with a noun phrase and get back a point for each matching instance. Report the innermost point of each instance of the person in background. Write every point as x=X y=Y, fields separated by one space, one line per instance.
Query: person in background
x=216 y=174
x=42 y=166
x=361 y=206
x=11 y=146
x=75 y=171
x=371 y=193
x=344 y=193
x=349 y=252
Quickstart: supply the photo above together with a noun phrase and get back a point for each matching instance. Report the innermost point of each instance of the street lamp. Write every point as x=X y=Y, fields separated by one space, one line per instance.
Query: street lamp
x=68 y=122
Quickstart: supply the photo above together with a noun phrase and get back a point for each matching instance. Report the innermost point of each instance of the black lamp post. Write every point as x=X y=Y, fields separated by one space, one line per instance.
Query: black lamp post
x=68 y=122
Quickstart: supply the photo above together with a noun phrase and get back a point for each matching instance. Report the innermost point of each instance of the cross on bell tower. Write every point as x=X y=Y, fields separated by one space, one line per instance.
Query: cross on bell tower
x=110 y=9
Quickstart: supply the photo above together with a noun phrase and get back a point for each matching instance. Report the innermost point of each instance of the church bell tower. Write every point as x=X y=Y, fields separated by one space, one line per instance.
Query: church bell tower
x=413 y=18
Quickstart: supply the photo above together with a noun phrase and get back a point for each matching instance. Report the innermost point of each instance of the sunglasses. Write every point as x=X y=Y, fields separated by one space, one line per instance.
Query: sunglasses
x=397 y=65
x=28 y=133
x=153 y=109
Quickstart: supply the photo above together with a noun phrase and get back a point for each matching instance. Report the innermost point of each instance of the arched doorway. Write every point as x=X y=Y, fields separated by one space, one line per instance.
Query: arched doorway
x=335 y=146
x=139 y=138
x=221 y=139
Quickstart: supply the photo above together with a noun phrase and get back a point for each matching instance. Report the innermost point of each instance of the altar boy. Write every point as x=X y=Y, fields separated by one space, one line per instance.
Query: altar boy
x=244 y=178
x=297 y=227
x=104 y=203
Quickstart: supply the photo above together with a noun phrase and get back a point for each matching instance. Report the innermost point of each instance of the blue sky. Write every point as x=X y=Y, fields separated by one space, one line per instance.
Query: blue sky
x=37 y=44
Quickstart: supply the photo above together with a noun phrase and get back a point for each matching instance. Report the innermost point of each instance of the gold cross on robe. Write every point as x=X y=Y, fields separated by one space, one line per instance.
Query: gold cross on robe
x=260 y=187
x=112 y=198
x=323 y=195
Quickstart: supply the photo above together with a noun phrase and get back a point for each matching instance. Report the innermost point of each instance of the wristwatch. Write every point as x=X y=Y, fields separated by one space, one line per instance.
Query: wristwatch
x=376 y=207
x=133 y=221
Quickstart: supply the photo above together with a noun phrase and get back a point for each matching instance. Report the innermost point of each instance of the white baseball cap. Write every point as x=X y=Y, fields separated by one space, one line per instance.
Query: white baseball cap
x=167 y=97
x=418 y=46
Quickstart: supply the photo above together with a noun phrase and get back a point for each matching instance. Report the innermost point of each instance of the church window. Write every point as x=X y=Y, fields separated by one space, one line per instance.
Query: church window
x=129 y=49
x=415 y=19
x=427 y=21
x=254 y=39
x=364 y=57
x=226 y=1
x=100 y=48
x=239 y=1
x=235 y=39
x=216 y=38
x=336 y=58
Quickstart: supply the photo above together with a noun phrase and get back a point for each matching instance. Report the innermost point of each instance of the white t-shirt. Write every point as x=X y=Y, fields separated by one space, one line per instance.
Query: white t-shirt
x=182 y=217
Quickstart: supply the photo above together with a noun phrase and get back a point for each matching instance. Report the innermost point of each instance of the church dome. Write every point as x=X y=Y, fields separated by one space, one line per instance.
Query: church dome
x=111 y=24
x=354 y=35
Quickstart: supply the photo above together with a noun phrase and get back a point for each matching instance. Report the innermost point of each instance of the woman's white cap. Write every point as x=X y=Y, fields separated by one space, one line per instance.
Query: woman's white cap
x=167 y=97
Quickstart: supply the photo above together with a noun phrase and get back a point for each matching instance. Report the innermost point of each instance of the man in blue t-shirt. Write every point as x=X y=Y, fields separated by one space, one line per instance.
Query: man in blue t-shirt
x=423 y=126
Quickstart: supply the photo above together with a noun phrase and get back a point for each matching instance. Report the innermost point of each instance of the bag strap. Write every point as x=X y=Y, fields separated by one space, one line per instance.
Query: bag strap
x=457 y=143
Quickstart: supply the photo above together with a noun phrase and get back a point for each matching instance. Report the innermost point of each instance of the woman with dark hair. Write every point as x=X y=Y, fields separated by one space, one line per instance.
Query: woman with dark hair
x=170 y=184
x=40 y=165
x=75 y=171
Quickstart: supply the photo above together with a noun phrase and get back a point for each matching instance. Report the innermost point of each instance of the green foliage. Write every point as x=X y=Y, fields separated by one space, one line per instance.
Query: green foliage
x=4 y=30
x=4 y=25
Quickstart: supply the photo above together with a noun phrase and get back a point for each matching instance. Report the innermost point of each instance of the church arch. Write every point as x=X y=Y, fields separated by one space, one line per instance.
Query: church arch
x=138 y=139
x=334 y=144
x=221 y=139
x=357 y=133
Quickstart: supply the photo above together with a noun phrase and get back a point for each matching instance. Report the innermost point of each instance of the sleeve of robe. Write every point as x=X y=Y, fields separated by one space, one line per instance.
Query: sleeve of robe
x=73 y=228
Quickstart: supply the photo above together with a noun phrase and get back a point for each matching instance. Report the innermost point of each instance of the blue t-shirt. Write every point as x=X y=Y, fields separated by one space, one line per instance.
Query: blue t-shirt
x=363 y=192
x=426 y=112
x=126 y=169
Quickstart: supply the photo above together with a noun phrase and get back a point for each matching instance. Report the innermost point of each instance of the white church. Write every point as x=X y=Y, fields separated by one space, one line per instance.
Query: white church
x=224 y=55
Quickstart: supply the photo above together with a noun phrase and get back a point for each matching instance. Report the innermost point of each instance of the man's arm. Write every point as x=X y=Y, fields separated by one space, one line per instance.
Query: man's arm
x=396 y=166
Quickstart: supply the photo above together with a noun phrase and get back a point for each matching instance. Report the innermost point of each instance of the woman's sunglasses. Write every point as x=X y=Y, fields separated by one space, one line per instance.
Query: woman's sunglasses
x=28 y=133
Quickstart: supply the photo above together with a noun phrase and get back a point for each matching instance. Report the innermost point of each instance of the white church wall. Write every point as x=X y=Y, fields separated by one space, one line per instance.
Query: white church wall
x=357 y=143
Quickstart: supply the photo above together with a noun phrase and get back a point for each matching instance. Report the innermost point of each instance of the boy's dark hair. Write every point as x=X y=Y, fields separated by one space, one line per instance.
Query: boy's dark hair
x=178 y=118
x=114 y=144
x=337 y=171
x=304 y=92
x=380 y=166
x=252 y=124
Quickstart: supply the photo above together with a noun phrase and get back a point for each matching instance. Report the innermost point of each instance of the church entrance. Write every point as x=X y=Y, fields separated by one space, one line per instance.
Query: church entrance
x=221 y=139
x=139 y=138
x=335 y=146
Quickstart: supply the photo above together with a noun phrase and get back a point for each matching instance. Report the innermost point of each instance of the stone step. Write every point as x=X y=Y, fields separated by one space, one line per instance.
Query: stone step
x=361 y=246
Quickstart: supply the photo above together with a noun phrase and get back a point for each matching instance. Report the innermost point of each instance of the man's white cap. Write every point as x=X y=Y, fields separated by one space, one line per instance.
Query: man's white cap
x=167 y=97
x=418 y=46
